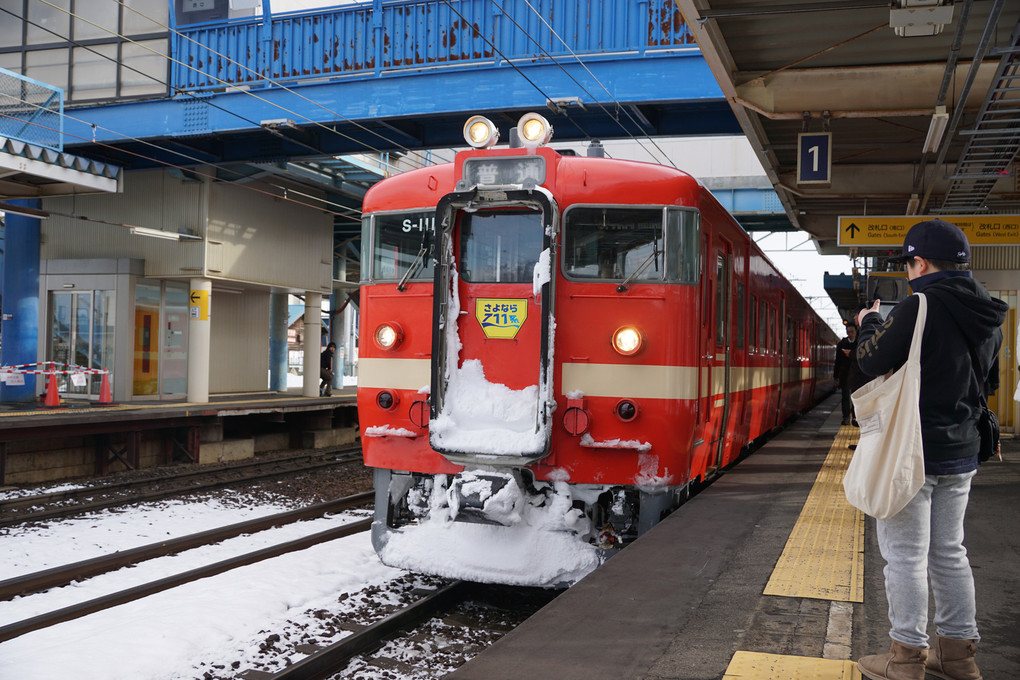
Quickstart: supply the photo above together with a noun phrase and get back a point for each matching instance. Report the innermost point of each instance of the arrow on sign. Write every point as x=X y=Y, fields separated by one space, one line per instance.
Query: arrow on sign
x=853 y=229
x=195 y=297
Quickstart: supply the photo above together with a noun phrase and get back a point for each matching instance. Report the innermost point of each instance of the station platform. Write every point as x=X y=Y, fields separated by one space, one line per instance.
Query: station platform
x=768 y=573
x=81 y=438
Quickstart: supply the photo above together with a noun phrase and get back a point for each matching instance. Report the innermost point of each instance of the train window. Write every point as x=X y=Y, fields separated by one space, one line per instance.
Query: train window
x=397 y=242
x=721 y=298
x=752 y=337
x=683 y=235
x=763 y=327
x=500 y=246
x=791 y=337
x=773 y=334
x=740 y=315
x=614 y=244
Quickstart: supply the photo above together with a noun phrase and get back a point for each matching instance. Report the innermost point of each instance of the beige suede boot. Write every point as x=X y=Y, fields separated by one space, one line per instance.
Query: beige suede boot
x=953 y=659
x=901 y=663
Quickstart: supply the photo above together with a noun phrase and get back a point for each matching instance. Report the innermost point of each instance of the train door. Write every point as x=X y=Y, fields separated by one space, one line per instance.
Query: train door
x=720 y=394
x=491 y=358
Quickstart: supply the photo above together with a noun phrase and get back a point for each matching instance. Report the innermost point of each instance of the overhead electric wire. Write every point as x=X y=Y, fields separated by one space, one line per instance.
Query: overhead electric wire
x=226 y=83
x=513 y=65
x=171 y=165
x=585 y=66
x=167 y=149
x=275 y=83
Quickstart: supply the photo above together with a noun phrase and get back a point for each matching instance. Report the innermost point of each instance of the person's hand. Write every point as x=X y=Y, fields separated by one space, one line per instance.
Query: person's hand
x=845 y=352
x=864 y=312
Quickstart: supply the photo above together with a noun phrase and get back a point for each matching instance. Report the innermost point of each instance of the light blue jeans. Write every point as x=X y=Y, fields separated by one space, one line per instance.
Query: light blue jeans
x=924 y=540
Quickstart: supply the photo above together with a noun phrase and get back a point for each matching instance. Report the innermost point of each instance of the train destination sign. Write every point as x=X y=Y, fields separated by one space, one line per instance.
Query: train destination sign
x=888 y=231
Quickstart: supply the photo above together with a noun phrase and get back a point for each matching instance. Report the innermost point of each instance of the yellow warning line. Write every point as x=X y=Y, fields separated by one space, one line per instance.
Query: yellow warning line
x=824 y=556
x=745 y=665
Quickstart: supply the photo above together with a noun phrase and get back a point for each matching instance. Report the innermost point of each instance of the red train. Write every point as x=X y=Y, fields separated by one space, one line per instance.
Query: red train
x=555 y=349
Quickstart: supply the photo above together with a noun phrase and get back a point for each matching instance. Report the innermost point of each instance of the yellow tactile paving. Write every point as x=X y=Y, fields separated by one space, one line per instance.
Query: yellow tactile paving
x=756 y=666
x=824 y=556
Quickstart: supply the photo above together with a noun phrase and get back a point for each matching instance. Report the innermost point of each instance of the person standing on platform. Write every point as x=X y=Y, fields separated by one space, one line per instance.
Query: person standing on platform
x=326 y=370
x=841 y=370
x=926 y=537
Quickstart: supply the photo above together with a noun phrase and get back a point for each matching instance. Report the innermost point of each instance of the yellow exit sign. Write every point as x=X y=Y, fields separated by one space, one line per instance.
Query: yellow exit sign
x=888 y=231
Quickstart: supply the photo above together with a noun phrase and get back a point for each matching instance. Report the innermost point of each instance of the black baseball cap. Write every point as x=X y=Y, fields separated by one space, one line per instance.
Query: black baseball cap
x=935 y=240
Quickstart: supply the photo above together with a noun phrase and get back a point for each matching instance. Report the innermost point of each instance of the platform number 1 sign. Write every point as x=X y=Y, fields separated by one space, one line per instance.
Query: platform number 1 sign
x=814 y=158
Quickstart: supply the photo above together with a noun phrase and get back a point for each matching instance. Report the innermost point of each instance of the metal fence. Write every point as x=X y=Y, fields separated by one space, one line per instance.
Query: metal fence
x=377 y=38
x=31 y=111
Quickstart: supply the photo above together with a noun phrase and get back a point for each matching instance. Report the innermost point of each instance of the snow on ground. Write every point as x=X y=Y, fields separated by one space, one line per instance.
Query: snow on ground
x=174 y=634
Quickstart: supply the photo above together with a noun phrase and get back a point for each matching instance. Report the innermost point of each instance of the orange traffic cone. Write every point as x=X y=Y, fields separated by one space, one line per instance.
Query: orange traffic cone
x=52 y=398
x=104 y=390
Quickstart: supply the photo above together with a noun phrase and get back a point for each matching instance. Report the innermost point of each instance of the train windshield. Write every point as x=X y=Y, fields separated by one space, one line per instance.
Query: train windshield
x=501 y=246
x=397 y=241
x=632 y=244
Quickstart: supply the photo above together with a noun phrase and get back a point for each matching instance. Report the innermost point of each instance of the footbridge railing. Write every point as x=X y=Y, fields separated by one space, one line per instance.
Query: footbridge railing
x=376 y=39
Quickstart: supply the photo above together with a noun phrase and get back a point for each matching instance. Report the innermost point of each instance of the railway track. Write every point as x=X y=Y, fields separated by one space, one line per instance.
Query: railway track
x=66 y=574
x=21 y=509
x=328 y=661
x=442 y=628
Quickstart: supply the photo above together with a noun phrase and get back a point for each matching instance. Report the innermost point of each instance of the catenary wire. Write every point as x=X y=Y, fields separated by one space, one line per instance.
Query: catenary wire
x=273 y=82
x=175 y=152
x=172 y=165
x=584 y=89
x=219 y=80
x=585 y=67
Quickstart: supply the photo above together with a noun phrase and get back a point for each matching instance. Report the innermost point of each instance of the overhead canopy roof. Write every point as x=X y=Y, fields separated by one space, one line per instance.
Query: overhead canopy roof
x=838 y=66
x=30 y=171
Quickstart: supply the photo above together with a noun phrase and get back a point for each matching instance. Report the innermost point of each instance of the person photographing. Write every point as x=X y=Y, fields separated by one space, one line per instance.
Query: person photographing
x=926 y=537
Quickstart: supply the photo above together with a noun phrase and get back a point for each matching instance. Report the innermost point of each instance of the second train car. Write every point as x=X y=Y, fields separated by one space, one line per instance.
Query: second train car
x=555 y=348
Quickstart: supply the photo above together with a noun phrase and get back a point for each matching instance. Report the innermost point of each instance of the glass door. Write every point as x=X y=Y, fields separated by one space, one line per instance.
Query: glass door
x=81 y=335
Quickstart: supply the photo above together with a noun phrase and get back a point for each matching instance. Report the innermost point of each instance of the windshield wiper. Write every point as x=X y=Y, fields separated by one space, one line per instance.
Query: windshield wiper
x=644 y=265
x=415 y=266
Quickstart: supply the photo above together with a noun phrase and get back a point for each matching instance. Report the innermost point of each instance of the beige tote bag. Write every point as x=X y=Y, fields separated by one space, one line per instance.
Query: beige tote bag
x=887 y=469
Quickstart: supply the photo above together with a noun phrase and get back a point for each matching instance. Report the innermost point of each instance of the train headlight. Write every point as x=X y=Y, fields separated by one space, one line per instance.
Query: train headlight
x=480 y=132
x=534 y=130
x=388 y=336
x=627 y=340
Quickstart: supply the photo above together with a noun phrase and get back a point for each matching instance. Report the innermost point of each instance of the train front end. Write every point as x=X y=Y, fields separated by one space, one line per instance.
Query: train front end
x=479 y=474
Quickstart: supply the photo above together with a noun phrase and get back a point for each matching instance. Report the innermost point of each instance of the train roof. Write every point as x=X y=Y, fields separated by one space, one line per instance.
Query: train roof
x=574 y=179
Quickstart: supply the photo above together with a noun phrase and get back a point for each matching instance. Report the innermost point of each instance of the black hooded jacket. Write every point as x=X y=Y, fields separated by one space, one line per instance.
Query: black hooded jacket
x=961 y=314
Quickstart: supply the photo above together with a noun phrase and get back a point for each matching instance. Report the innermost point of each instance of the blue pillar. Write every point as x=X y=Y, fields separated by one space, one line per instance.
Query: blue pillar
x=278 y=317
x=20 y=341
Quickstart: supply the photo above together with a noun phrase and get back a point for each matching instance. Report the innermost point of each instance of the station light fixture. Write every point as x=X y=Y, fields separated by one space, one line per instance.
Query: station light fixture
x=480 y=132
x=534 y=130
x=937 y=128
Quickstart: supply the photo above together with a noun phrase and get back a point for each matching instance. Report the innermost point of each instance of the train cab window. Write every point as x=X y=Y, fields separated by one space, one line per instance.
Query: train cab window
x=500 y=246
x=614 y=244
x=396 y=243
x=640 y=244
